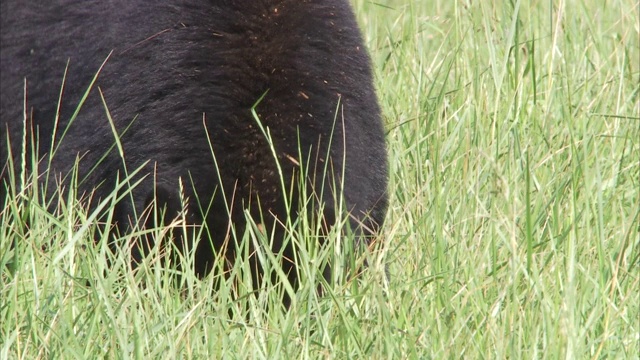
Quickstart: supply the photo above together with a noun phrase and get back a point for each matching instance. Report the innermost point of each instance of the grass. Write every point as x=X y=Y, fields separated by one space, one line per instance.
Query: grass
x=513 y=230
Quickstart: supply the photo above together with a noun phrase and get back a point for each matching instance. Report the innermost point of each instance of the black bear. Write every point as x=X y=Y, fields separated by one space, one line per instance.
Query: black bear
x=224 y=97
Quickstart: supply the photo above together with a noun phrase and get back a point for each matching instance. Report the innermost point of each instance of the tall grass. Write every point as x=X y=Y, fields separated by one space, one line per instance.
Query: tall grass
x=513 y=229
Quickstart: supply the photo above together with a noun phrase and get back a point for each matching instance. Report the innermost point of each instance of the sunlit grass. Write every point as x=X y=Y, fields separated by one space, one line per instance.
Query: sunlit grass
x=513 y=229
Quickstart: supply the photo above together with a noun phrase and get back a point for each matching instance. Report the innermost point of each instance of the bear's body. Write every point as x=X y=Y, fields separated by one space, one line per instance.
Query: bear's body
x=181 y=79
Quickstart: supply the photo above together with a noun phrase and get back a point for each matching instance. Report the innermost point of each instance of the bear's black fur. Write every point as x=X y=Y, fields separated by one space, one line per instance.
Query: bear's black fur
x=183 y=77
